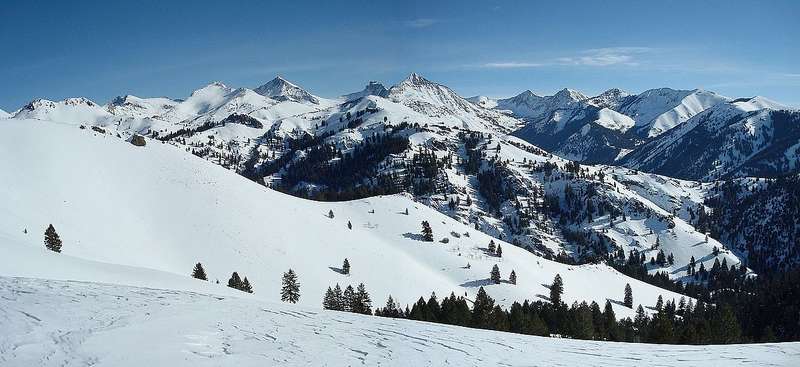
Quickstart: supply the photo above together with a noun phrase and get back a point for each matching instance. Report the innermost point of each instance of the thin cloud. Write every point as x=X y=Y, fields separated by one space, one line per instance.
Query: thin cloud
x=420 y=23
x=627 y=56
x=512 y=65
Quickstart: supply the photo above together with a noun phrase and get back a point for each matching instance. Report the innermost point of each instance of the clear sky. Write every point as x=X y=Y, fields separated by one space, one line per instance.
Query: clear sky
x=58 y=49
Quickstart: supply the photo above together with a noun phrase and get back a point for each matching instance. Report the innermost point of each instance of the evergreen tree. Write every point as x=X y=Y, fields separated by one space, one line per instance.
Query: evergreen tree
x=346 y=267
x=362 y=302
x=628 y=301
x=481 y=309
x=329 y=302
x=427 y=232
x=556 y=289
x=610 y=319
x=330 y=214
x=659 y=303
x=338 y=298
x=512 y=277
x=494 y=275
x=235 y=282
x=499 y=251
x=246 y=287
x=348 y=298
x=349 y=225
x=199 y=272
x=51 y=239
x=492 y=247
x=290 y=288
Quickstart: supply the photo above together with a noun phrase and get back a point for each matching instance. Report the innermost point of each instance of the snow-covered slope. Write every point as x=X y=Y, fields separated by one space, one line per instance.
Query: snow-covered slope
x=4 y=114
x=445 y=106
x=372 y=89
x=56 y=323
x=658 y=110
x=158 y=208
x=77 y=110
x=281 y=89
x=749 y=136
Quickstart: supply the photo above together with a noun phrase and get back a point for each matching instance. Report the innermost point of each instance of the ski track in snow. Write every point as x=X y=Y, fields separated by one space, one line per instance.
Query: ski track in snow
x=62 y=323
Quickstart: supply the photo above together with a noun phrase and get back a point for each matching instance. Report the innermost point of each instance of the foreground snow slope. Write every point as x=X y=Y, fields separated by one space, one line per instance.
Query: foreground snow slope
x=57 y=323
x=156 y=207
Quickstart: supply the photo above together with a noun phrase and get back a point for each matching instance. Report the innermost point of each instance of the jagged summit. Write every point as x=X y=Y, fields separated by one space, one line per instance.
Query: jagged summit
x=283 y=90
x=373 y=88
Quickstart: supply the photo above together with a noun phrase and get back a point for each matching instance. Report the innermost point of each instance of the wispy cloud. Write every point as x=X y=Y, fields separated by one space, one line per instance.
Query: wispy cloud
x=608 y=56
x=512 y=65
x=420 y=22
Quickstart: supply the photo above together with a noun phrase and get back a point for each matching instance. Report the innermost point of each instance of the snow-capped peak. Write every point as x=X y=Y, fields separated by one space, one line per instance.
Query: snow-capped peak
x=372 y=89
x=212 y=87
x=609 y=99
x=757 y=103
x=571 y=95
x=283 y=90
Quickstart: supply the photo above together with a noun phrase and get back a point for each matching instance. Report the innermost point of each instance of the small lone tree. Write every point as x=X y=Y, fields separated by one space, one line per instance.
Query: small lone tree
x=492 y=247
x=349 y=225
x=406 y=212
x=246 y=287
x=512 y=277
x=494 y=275
x=235 y=282
x=556 y=289
x=499 y=251
x=199 y=272
x=346 y=267
x=51 y=239
x=330 y=214
x=427 y=232
x=628 y=301
x=290 y=290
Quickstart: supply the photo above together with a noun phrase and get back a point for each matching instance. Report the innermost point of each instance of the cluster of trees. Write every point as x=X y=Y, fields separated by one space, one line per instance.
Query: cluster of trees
x=350 y=300
x=682 y=322
x=290 y=288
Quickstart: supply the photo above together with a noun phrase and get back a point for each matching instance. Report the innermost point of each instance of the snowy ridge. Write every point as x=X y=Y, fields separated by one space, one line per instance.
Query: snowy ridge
x=283 y=90
x=180 y=209
x=372 y=89
x=752 y=136
x=440 y=102
x=56 y=322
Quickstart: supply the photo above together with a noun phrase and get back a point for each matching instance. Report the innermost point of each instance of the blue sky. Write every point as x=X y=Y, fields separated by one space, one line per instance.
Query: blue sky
x=58 y=49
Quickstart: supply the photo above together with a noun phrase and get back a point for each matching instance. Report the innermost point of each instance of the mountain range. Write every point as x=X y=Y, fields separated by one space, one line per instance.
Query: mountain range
x=507 y=167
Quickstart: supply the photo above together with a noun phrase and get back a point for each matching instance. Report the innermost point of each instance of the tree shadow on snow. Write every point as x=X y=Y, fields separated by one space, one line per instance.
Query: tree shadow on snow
x=413 y=236
x=338 y=270
x=482 y=283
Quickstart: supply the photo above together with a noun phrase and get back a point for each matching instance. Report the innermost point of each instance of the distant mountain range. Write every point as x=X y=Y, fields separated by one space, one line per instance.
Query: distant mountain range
x=504 y=166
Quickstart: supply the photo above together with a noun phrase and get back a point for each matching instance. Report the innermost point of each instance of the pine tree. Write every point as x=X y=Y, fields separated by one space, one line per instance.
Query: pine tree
x=556 y=289
x=492 y=247
x=246 y=287
x=499 y=251
x=346 y=267
x=235 y=282
x=481 y=309
x=329 y=301
x=512 y=278
x=362 y=303
x=628 y=301
x=338 y=298
x=659 y=303
x=51 y=239
x=494 y=275
x=199 y=272
x=427 y=232
x=330 y=214
x=290 y=289
x=348 y=297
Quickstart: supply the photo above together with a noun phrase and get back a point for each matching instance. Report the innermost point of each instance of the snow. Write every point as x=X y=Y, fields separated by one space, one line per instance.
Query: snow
x=158 y=208
x=658 y=110
x=4 y=114
x=57 y=323
x=613 y=120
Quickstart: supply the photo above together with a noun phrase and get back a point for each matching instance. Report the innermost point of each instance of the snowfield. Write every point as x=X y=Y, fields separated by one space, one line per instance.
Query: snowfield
x=60 y=323
x=159 y=209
